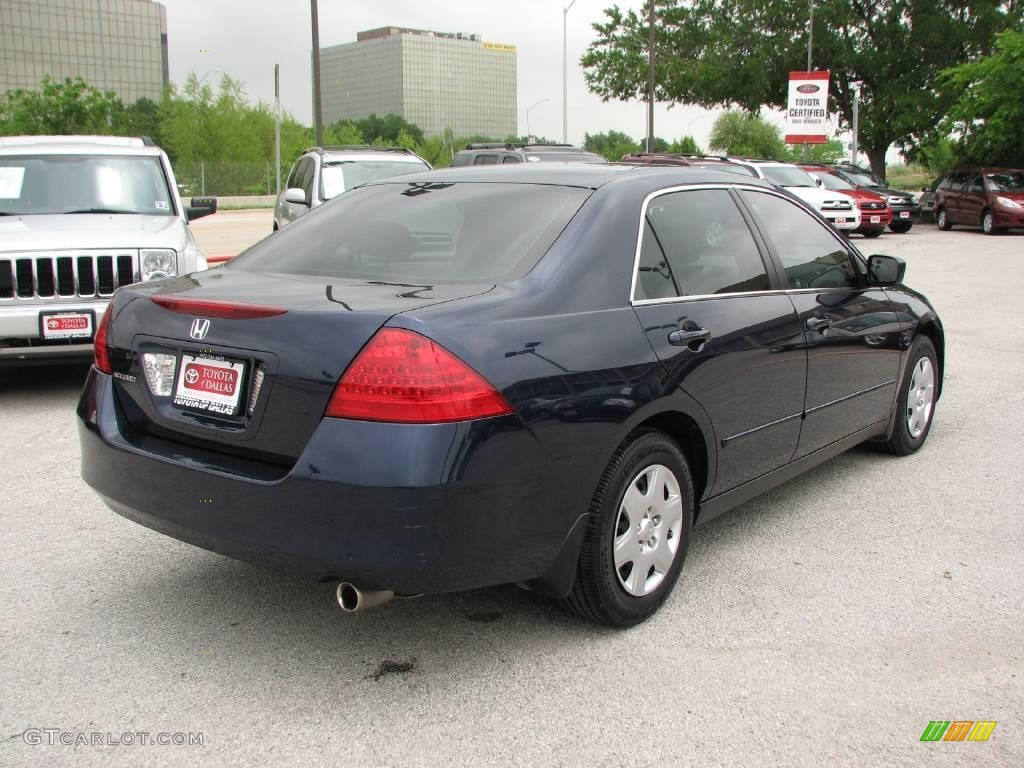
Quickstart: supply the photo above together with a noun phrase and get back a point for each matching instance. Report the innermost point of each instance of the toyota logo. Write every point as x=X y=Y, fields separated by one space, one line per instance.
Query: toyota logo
x=808 y=88
x=191 y=376
x=200 y=327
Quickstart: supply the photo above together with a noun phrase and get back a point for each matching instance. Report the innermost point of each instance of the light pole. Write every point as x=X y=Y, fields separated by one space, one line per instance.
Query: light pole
x=856 y=110
x=650 y=78
x=810 y=45
x=317 y=114
x=565 y=75
x=537 y=104
x=277 y=129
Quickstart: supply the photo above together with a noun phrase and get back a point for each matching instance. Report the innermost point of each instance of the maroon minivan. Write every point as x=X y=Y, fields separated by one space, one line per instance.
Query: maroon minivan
x=990 y=198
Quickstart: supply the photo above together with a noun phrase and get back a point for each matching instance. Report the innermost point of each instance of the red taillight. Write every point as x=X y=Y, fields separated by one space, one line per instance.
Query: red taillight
x=227 y=310
x=101 y=352
x=405 y=377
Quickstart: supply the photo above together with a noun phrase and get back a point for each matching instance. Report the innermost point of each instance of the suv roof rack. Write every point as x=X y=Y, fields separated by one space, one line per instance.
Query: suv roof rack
x=370 y=147
x=492 y=145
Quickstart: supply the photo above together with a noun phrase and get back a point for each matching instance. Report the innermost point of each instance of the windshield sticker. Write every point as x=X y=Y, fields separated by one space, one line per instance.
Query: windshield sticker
x=161 y=205
x=11 y=180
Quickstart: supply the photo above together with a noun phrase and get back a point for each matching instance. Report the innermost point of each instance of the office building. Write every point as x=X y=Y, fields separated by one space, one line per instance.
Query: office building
x=435 y=80
x=117 y=45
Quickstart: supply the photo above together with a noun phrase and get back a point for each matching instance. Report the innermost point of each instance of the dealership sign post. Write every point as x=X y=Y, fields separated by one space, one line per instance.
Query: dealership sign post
x=807 y=115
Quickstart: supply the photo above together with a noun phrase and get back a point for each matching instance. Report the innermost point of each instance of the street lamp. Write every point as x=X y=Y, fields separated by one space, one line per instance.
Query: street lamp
x=565 y=76
x=537 y=104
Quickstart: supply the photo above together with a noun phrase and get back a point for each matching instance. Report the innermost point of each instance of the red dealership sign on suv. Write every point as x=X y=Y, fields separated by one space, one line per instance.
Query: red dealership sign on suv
x=807 y=112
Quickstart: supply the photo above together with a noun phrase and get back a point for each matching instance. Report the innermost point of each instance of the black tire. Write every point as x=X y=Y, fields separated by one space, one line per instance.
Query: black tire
x=872 y=233
x=988 y=223
x=597 y=594
x=902 y=442
x=901 y=227
x=942 y=220
x=275 y=227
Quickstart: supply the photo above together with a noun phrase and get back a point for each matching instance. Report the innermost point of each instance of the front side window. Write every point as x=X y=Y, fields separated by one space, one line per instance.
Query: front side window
x=337 y=176
x=422 y=233
x=48 y=184
x=696 y=243
x=975 y=185
x=811 y=255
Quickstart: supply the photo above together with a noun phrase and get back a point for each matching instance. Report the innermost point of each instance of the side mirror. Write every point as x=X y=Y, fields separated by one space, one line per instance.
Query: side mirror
x=885 y=270
x=296 y=195
x=818 y=181
x=199 y=207
x=925 y=189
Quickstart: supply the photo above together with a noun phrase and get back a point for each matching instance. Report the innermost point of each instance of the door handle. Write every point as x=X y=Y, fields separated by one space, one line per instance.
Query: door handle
x=819 y=324
x=685 y=338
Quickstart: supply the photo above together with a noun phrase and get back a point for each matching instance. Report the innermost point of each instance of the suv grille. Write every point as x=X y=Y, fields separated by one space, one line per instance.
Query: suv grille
x=58 y=277
x=872 y=205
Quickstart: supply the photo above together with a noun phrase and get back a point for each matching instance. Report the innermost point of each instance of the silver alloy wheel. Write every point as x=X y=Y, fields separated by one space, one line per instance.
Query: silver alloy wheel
x=920 y=397
x=942 y=219
x=986 y=223
x=647 y=530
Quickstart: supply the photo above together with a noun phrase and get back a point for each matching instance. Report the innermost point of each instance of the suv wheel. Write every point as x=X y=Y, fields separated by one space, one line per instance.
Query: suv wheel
x=943 y=220
x=901 y=227
x=639 y=529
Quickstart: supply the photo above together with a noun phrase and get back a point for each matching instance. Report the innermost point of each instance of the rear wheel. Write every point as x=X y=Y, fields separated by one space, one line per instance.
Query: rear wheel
x=943 y=220
x=901 y=227
x=636 y=542
x=915 y=406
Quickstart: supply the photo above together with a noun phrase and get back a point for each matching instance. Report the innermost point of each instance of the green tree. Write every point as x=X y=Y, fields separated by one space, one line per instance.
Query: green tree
x=988 y=113
x=612 y=145
x=71 y=106
x=386 y=129
x=685 y=146
x=721 y=53
x=736 y=132
x=829 y=152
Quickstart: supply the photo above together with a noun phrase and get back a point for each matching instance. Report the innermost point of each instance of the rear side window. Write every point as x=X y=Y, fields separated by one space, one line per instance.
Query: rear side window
x=696 y=243
x=486 y=160
x=427 y=232
x=811 y=254
x=509 y=159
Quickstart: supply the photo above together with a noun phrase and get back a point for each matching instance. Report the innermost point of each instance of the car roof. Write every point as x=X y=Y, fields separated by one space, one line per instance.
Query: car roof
x=335 y=156
x=77 y=145
x=586 y=175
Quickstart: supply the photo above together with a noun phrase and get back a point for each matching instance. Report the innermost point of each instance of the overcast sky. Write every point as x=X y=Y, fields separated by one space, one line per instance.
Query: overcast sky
x=245 y=38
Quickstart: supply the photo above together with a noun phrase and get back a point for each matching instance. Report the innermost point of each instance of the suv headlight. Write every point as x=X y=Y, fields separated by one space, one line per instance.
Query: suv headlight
x=159 y=262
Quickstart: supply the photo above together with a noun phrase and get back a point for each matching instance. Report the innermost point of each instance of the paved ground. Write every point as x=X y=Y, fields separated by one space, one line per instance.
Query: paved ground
x=825 y=623
x=228 y=233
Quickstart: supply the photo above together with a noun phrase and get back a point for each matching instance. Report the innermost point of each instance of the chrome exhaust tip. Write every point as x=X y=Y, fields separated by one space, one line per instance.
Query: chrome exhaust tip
x=352 y=599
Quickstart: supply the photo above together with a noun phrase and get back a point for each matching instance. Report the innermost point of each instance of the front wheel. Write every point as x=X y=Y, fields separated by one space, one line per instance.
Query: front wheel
x=872 y=233
x=988 y=223
x=901 y=227
x=942 y=220
x=639 y=530
x=915 y=404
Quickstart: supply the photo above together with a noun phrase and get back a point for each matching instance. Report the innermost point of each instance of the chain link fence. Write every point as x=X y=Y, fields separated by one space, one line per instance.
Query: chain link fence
x=224 y=178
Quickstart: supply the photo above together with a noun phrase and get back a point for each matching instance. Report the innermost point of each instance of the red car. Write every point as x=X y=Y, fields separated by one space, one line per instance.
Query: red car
x=992 y=198
x=875 y=214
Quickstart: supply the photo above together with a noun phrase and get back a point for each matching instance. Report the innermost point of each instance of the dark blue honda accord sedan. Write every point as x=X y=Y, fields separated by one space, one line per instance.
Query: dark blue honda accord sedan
x=545 y=375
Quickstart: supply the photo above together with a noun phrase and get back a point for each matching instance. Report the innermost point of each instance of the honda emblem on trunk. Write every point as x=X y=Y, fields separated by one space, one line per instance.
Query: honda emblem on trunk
x=200 y=328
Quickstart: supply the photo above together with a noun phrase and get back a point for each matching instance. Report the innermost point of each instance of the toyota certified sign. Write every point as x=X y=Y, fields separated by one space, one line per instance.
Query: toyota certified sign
x=807 y=115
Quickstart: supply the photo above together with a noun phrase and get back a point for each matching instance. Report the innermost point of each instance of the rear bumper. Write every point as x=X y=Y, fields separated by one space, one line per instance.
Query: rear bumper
x=410 y=508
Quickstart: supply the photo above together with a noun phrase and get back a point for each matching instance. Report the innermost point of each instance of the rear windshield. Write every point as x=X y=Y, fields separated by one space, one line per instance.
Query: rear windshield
x=564 y=157
x=340 y=175
x=427 y=232
x=47 y=184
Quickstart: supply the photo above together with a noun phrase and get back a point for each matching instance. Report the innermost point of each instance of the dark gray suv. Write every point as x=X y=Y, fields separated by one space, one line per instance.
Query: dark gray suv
x=510 y=154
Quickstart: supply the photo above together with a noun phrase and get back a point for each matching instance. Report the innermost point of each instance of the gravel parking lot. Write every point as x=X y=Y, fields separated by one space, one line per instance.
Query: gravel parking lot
x=824 y=623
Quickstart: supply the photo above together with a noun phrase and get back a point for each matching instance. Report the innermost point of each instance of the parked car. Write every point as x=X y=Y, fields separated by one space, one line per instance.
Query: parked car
x=693 y=161
x=79 y=217
x=838 y=208
x=323 y=173
x=927 y=197
x=546 y=375
x=497 y=153
x=875 y=215
x=905 y=210
x=990 y=198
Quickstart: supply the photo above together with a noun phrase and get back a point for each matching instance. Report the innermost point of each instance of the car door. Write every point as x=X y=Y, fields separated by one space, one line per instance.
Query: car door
x=703 y=294
x=951 y=196
x=852 y=334
x=972 y=201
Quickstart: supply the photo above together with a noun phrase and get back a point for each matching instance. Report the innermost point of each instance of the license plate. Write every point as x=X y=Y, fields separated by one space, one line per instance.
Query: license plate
x=209 y=383
x=904 y=214
x=876 y=219
x=66 y=325
x=840 y=220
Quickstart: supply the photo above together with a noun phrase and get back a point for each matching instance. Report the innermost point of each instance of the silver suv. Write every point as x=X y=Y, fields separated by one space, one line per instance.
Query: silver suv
x=325 y=172
x=79 y=217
